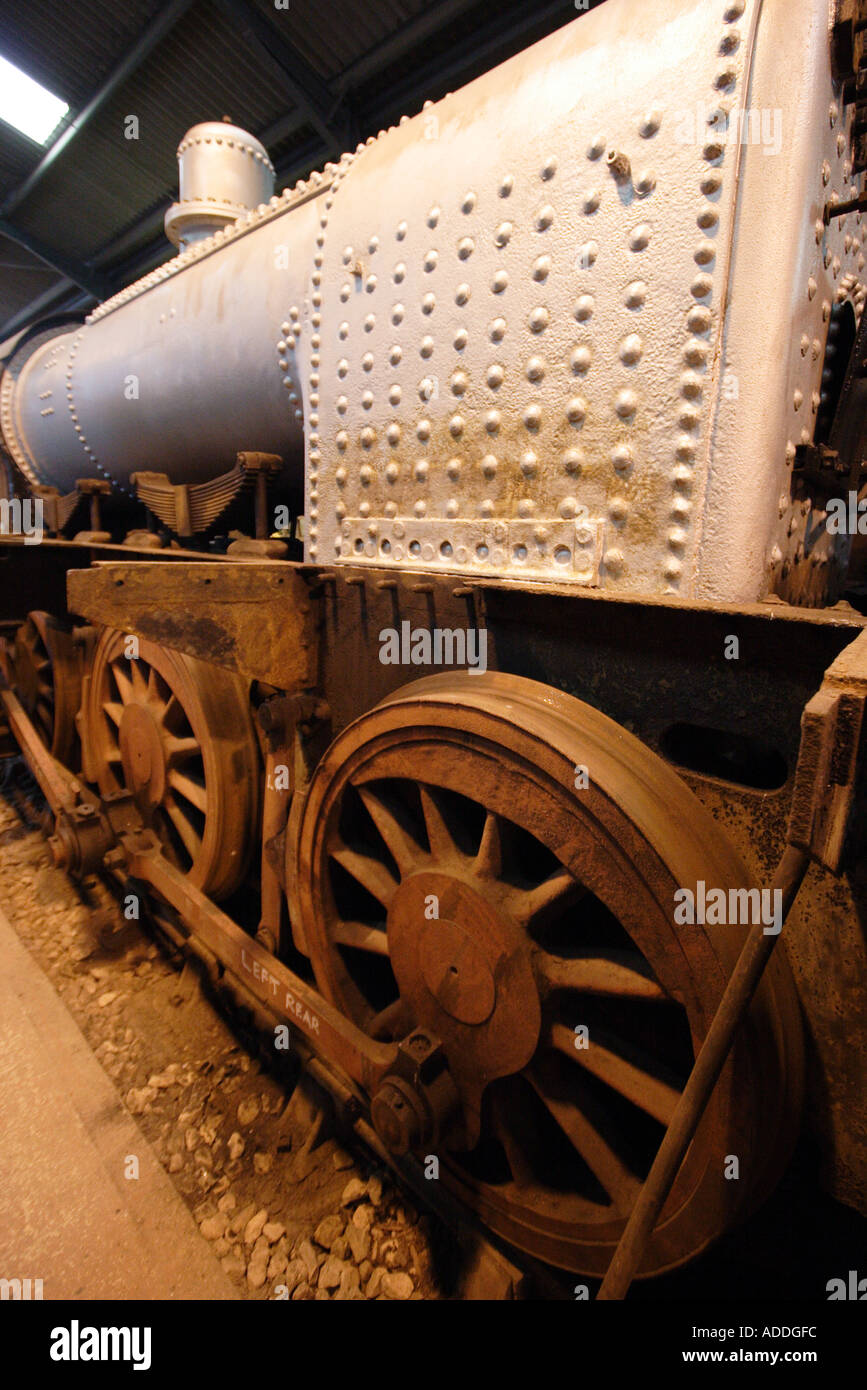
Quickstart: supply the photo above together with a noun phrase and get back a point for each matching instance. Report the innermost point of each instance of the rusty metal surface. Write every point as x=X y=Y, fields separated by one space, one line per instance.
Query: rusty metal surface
x=255 y=618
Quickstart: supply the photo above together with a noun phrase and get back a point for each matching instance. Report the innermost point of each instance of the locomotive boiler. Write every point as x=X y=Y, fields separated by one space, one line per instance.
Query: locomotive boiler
x=571 y=360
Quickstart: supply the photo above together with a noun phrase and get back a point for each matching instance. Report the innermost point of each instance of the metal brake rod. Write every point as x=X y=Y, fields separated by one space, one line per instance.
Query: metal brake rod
x=280 y=989
x=60 y=788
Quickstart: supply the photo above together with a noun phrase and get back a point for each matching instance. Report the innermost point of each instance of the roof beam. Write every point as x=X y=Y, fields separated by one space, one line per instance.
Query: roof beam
x=160 y=25
x=325 y=111
x=89 y=280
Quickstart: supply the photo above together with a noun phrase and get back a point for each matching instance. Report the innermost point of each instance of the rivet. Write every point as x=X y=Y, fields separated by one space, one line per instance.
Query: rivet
x=397 y=313
x=573 y=461
x=423 y=429
x=430 y=261
x=712 y=150
x=591 y=201
x=499 y=282
x=584 y=308
x=542 y=268
x=497 y=330
x=492 y=421
x=613 y=560
x=529 y=464
x=535 y=370
x=394 y=394
x=399 y=273
x=636 y=294
x=489 y=465
x=469 y=202
x=626 y=404
x=427 y=346
x=532 y=417
x=630 y=349
x=544 y=218
x=596 y=148
x=701 y=286
x=433 y=216
x=506 y=186
x=576 y=409
x=466 y=247
x=645 y=183
x=639 y=237
x=460 y=339
x=580 y=360
x=539 y=319
x=456 y=426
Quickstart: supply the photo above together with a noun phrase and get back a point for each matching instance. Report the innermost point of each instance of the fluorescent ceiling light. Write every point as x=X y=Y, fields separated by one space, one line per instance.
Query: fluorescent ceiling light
x=26 y=105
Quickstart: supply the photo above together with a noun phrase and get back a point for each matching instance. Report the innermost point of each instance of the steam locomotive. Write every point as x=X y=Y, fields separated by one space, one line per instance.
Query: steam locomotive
x=566 y=370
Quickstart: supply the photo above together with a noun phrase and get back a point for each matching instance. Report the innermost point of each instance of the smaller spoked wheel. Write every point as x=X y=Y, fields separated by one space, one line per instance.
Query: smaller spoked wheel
x=177 y=734
x=47 y=667
x=454 y=875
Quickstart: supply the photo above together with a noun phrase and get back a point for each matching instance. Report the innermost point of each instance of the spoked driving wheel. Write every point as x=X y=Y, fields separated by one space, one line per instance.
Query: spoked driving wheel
x=177 y=734
x=456 y=873
x=47 y=666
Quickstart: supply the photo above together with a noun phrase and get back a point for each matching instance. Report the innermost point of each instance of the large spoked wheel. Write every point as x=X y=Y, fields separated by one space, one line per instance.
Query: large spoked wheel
x=453 y=875
x=47 y=667
x=177 y=733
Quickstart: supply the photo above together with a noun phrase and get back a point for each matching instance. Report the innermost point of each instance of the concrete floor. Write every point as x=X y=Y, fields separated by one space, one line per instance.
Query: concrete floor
x=68 y=1214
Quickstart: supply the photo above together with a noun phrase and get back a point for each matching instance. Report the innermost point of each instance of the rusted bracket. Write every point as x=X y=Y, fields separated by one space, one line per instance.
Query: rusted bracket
x=830 y=738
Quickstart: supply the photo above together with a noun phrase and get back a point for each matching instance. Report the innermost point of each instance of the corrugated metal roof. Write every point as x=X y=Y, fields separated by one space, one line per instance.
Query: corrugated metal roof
x=100 y=203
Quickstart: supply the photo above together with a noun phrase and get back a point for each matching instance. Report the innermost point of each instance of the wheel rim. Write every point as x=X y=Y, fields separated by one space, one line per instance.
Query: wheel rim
x=555 y=912
x=48 y=681
x=177 y=734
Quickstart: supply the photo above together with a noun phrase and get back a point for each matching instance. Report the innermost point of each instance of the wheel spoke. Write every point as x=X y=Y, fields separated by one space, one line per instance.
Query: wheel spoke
x=372 y=875
x=361 y=937
x=607 y=1166
x=598 y=974
x=391 y=1022
x=191 y=841
x=404 y=851
x=489 y=860
x=518 y=1161
x=442 y=846
x=637 y=1085
x=170 y=710
x=123 y=682
x=179 y=749
x=186 y=787
x=114 y=710
x=139 y=681
x=554 y=894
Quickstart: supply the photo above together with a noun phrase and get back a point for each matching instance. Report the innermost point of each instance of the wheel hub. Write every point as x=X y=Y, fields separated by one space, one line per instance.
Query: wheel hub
x=466 y=976
x=142 y=756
